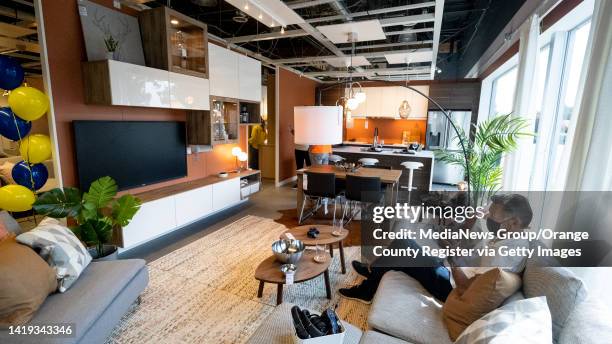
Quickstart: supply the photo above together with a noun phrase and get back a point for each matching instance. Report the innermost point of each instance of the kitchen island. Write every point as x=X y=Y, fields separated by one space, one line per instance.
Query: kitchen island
x=393 y=157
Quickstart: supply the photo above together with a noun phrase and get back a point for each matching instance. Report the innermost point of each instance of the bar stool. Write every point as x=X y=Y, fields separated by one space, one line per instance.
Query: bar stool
x=361 y=190
x=319 y=186
x=411 y=166
x=368 y=161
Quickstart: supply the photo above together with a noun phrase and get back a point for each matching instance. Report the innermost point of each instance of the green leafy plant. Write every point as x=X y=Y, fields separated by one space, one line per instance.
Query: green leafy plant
x=493 y=138
x=111 y=44
x=96 y=212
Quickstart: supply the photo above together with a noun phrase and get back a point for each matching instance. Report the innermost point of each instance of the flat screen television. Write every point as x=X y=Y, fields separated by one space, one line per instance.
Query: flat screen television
x=133 y=153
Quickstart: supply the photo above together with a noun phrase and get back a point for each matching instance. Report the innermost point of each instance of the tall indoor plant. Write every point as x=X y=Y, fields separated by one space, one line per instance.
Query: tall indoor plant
x=96 y=213
x=492 y=139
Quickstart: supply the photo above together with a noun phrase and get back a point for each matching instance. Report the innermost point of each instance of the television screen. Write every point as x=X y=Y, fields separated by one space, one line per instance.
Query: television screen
x=133 y=153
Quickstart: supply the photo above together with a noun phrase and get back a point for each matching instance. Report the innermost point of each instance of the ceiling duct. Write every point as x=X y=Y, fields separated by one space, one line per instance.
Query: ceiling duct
x=205 y=3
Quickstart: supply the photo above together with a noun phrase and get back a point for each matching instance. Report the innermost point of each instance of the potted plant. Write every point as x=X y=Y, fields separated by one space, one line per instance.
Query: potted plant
x=97 y=213
x=111 y=47
x=492 y=139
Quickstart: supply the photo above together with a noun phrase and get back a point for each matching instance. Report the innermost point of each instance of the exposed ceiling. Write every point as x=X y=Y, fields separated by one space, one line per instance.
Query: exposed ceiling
x=18 y=35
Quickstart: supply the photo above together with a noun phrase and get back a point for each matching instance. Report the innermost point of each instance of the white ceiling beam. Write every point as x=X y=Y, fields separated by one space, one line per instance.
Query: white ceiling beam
x=304 y=4
x=370 y=72
x=268 y=36
x=372 y=12
x=409 y=31
x=436 y=36
x=387 y=45
x=407 y=20
x=366 y=55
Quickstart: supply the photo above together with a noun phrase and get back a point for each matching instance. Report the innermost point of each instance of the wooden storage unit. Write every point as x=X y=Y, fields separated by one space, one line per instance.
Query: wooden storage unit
x=174 y=41
x=224 y=120
x=199 y=128
x=250 y=112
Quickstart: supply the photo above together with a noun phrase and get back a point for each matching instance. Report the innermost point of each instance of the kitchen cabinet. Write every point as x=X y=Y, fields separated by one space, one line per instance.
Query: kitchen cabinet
x=226 y=193
x=194 y=204
x=189 y=92
x=418 y=103
x=392 y=97
x=249 y=79
x=384 y=102
x=152 y=220
x=223 y=72
x=374 y=100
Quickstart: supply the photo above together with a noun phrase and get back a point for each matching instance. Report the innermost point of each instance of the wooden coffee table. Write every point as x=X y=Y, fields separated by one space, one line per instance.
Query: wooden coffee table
x=325 y=238
x=269 y=271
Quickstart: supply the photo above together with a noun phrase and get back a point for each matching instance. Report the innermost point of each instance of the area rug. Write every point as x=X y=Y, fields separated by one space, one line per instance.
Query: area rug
x=205 y=292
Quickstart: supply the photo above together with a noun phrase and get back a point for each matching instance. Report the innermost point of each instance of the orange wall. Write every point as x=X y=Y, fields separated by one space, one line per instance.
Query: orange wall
x=389 y=130
x=66 y=51
x=293 y=90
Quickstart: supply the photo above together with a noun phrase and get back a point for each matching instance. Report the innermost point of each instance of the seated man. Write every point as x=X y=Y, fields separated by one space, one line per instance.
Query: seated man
x=511 y=212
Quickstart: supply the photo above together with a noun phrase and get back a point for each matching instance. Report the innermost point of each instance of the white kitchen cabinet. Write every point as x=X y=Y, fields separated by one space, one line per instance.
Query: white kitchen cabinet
x=193 y=205
x=392 y=97
x=226 y=193
x=374 y=100
x=249 y=78
x=418 y=103
x=223 y=72
x=189 y=92
x=152 y=220
x=135 y=85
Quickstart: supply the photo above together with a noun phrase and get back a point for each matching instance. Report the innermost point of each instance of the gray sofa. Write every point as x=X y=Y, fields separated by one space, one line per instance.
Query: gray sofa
x=104 y=292
x=404 y=312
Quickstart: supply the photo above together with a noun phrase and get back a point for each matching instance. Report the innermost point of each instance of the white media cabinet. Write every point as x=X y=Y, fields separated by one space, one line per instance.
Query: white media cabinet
x=170 y=208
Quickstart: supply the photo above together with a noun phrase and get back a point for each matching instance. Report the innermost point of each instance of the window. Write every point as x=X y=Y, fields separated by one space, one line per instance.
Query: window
x=502 y=93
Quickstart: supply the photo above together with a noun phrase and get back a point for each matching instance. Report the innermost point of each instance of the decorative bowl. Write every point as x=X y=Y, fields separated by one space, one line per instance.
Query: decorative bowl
x=288 y=250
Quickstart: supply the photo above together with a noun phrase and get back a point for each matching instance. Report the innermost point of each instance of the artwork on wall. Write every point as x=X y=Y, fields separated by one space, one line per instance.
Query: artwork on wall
x=110 y=34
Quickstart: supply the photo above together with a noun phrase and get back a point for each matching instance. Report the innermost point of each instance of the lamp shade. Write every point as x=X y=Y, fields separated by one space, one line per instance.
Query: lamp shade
x=236 y=151
x=317 y=125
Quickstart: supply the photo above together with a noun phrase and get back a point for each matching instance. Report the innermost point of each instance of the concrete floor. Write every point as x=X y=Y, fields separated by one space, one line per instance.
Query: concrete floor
x=269 y=203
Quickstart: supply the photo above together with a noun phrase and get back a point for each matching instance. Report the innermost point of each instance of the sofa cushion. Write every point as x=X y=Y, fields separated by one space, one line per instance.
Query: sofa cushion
x=95 y=290
x=56 y=244
x=589 y=323
x=402 y=308
x=563 y=291
x=485 y=293
x=524 y=321
x=25 y=282
x=373 y=337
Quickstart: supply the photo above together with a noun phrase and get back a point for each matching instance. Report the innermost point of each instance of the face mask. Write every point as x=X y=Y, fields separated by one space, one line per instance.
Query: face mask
x=493 y=226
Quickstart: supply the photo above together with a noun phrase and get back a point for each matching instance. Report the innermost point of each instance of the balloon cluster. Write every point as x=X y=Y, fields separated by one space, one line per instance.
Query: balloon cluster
x=26 y=104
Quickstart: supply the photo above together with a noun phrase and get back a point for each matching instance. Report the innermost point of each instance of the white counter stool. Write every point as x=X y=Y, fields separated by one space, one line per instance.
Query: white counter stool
x=335 y=158
x=368 y=161
x=411 y=166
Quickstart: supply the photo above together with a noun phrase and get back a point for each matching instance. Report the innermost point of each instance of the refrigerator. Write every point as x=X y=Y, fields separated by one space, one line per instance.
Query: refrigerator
x=440 y=135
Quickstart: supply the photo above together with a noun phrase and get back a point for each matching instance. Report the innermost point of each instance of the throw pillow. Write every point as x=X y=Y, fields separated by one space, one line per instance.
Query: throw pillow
x=6 y=172
x=524 y=321
x=485 y=293
x=56 y=244
x=25 y=283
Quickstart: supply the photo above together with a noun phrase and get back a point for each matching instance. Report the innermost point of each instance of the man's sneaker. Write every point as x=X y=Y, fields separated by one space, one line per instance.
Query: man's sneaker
x=361 y=268
x=358 y=293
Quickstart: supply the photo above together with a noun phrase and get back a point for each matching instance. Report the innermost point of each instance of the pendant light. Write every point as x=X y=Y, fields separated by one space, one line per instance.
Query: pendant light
x=353 y=98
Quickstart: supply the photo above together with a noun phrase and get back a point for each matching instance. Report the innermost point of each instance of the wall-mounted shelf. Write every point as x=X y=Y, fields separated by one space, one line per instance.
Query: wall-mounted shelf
x=224 y=120
x=174 y=42
x=249 y=112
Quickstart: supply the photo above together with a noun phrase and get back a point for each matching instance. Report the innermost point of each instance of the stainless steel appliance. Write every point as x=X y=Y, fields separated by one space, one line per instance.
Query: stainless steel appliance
x=440 y=135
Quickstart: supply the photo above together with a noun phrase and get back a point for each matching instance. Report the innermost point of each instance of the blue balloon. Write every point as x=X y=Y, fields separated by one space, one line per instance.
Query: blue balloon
x=11 y=73
x=21 y=175
x=8 y=128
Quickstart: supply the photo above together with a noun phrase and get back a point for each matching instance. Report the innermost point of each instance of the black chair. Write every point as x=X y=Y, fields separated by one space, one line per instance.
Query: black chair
x=362 y=190
x=384 y=167
x=319 y=186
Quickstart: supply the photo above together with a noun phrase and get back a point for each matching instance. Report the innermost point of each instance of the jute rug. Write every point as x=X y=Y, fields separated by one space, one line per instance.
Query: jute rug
x=205 y=292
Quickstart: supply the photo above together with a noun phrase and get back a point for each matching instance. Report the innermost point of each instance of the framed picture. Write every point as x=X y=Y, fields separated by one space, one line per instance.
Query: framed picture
x=110 y=34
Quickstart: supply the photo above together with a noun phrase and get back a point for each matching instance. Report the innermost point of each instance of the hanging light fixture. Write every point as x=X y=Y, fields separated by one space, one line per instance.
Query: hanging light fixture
x=404 y=108
x=352 y=98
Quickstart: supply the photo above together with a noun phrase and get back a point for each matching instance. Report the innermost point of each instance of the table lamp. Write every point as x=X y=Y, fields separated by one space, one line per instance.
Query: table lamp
x=317 y=125
x=243 y=156
x=235 y=152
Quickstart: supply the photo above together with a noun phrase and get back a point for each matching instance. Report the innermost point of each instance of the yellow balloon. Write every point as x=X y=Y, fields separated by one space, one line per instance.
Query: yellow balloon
x=35 y=148
x=28 y=103
x=16 y=198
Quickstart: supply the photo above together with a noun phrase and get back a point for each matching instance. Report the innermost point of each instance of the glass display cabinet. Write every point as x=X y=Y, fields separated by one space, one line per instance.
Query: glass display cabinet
x=224 y=117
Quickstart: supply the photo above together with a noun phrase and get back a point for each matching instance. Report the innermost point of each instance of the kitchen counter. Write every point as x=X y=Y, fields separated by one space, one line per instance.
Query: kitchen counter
x=387 y=150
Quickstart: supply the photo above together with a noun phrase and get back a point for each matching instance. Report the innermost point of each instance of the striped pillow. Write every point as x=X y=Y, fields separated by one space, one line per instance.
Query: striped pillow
x=56 y=244
x=523 y=321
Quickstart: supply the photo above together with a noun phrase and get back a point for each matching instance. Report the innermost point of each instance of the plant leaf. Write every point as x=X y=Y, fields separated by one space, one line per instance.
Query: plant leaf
x=95 y=232
x=124 y=209
x=101 y=192
x=58 y=203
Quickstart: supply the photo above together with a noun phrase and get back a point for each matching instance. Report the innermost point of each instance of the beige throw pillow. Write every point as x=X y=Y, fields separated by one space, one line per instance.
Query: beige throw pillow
x=485 y=293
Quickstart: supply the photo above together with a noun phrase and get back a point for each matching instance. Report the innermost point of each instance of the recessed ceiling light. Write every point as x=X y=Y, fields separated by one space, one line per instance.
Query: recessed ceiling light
x=260 y=16
x=246 y=6
x=283 y=30
x=174 y=22
x=268 y=11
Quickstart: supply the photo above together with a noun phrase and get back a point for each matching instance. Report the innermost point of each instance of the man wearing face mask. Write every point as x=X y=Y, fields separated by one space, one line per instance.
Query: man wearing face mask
x=511 y=212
